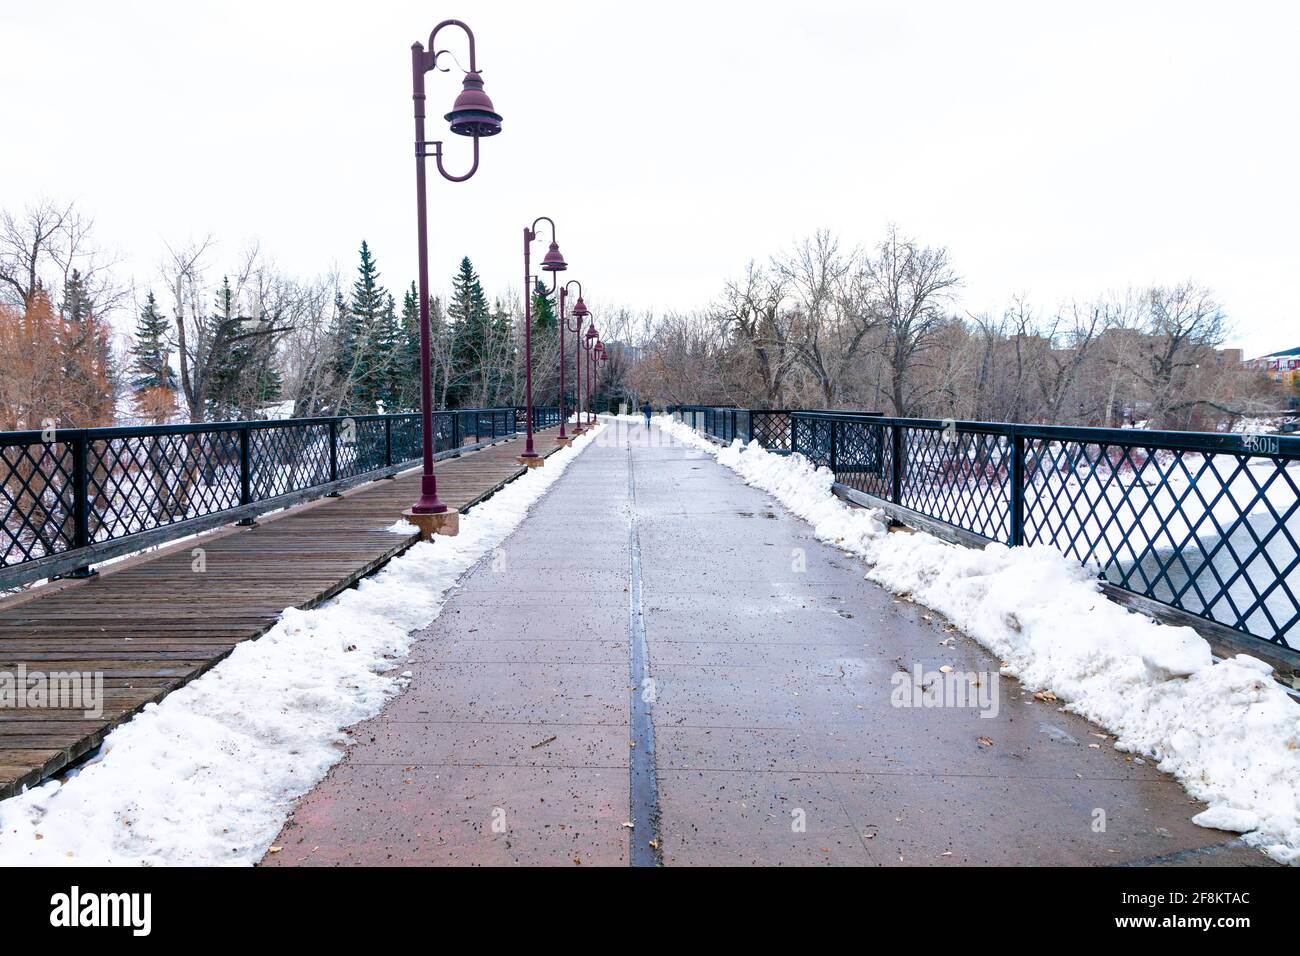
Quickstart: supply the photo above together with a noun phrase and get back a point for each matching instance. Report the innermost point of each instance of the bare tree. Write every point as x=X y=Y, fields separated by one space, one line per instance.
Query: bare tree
x=755 y=312
x=834 y=311
x=26 y=241
x=681 y=362
x=1075 y=330
x=1182 y=324
x=224 y=344
x=910 y=285
x=44 y=246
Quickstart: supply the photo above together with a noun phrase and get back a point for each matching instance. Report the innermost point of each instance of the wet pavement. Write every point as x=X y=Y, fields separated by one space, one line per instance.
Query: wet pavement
x=775 y=680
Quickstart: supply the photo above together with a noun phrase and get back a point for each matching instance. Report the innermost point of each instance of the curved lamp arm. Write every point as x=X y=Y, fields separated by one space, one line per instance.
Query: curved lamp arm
x=433 y=55
x=437 y=158
x=578 y=328
x=532 y=232
x=429 y=61
x=533 y=280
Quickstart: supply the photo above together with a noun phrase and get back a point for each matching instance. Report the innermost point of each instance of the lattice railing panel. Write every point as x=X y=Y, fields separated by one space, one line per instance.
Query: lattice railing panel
x=137 y=483
x=36 y=500
x=1216 y=535
x=957 y=477
x=771 y=429
x=288 y=458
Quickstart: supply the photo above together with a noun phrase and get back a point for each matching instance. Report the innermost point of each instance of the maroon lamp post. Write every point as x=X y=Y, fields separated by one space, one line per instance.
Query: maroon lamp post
x=602 y=356
x=589 y=344
x=579 y=425
x=580 y=312
x=471 y=115
x=553 y=263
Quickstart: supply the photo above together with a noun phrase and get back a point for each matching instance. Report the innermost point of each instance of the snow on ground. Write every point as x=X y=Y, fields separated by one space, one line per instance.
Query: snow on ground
x=209 y=775
x=1226 y=731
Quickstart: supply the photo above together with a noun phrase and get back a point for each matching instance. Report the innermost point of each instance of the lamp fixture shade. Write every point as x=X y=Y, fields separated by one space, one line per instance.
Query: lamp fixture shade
x=472 y=113
x=553 y=261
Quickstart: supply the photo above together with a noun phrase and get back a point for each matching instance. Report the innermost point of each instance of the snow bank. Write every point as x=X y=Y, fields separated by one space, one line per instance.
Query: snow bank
x=1226 y=731
x=209 y=775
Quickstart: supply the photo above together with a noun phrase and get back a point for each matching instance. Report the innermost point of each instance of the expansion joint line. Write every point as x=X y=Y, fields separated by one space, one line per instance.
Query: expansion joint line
x=645 y=846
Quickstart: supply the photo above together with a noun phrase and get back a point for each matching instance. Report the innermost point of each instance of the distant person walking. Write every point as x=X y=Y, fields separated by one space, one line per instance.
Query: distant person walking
x=646 y=410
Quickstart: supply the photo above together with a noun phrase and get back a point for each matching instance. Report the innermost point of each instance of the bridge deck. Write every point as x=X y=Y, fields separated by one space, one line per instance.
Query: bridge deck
x=150 y=624
x=714 y=685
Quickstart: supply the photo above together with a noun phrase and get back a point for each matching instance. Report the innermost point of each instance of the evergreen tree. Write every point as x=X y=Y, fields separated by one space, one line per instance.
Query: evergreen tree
x=408 y=362
x=367 y=311
x=473 y=363
x=243 y=370
x=367 y=330
x=389 y=350
x=151 y=351
x=543 y=309
x=87 y=357
x=369 y=297
x=76 y=300
x=545 y=363
x=225 y=358
x=152 y=379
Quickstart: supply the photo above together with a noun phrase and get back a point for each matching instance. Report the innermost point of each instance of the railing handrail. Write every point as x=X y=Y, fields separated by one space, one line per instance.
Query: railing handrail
x=1224 y=442
x=1288 y=445
x=31 y=435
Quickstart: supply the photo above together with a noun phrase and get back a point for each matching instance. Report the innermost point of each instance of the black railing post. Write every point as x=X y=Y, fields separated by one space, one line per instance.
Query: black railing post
x=896 y=464
x=388 y=444
x=834 y=446
x=245 y=475
x=334 y=456
x=81 y=500
x=1017 y=496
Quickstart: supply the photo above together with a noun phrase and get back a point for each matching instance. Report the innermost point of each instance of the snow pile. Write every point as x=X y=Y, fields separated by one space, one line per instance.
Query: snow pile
x=1226 y=731
x=210 y=774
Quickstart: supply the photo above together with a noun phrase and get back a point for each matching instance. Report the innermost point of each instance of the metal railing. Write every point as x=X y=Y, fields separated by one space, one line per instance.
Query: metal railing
x=544 y=416
x=70 y=496
x=770 y=427
x=1205 y=524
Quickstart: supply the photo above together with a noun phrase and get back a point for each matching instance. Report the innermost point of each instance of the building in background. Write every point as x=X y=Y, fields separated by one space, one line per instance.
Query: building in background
x=1284 y=368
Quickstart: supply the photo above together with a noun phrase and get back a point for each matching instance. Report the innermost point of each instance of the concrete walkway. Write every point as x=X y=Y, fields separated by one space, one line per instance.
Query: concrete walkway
x=771 y=663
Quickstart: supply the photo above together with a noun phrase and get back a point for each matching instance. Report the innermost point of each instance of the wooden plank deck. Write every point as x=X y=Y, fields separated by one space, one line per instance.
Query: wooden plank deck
x=150 y=624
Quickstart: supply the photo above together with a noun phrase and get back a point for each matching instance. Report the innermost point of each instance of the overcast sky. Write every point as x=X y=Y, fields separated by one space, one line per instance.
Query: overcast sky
x=1058 y=150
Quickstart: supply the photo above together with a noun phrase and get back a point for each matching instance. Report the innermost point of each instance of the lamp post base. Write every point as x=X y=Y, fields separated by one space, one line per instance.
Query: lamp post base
x=443 y=522
x=532 y=461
